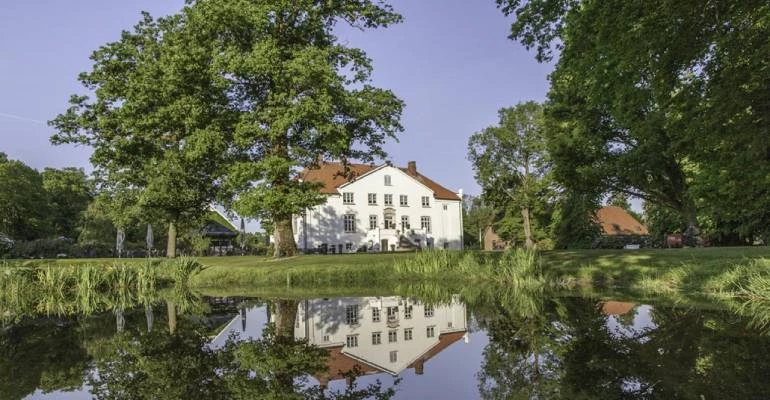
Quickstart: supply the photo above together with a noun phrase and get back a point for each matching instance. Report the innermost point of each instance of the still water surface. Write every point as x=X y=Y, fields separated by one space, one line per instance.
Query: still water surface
x=359 y=347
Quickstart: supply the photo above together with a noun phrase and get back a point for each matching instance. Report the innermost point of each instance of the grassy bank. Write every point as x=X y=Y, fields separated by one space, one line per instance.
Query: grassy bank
x=740 y=271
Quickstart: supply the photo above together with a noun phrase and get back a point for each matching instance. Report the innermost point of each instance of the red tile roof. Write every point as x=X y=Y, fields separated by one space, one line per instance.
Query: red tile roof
x=333 y=175
x=339 y=363
x=617 y=221
x=615 y=307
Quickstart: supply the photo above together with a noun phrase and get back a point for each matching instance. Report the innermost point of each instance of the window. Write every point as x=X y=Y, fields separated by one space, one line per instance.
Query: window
x=392 y=314
x=350 y=222
x=351 y=314
x=326 y=338
x=425 y=201
x=375 y=314
x=449 y=324
x=347 y=198
x=372 y=199
x=408 y=334
x=425 y=224
x=431 y=331
x=376 y=338
x=352 y=340
x=388 y=200
x=408 y=312
x=348 y=246
x=387 y=180
x=428 y=311
x=404 y=222
x=393 y=356
x=403 y=200
x=445 y=207
x=392 y=336
x=372 y=222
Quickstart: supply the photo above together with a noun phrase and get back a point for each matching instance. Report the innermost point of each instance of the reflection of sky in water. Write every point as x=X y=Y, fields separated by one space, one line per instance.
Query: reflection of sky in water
x=255 y=320
x=641 y=323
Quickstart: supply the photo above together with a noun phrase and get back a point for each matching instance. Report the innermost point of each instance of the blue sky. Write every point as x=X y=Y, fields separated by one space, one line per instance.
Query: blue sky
x=450 y=61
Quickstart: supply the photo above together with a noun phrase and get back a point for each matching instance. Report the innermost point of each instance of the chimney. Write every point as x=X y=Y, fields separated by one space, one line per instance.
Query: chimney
x=419 y=367
x=411 y=168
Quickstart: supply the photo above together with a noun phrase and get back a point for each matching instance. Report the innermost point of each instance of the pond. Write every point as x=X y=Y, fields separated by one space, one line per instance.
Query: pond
x=387 y=345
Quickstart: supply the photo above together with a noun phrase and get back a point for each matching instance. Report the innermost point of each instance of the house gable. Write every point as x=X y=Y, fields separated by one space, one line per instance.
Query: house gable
x=401 y=183
x=334 y=176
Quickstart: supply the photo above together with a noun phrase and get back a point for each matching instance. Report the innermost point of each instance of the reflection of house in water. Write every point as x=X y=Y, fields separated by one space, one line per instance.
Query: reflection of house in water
x=374 y=334
x=379 y=334
x=615 y=307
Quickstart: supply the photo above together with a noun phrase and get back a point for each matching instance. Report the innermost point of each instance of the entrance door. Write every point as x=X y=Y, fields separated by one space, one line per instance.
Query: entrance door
x=384 y=245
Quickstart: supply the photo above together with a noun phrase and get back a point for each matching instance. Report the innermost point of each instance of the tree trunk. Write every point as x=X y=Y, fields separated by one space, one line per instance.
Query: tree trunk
x=171 y=307
x=285 y=246
x=285 y=318
x=528 y=243
x=148 y=315
x=691 y=235
x=171 y=245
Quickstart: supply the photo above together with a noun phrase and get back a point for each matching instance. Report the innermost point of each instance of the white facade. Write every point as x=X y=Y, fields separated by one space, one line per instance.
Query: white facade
x=387 y=333
x=359 y=216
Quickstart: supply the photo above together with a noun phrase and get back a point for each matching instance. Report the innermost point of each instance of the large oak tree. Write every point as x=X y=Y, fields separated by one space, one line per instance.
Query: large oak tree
x=302 y=95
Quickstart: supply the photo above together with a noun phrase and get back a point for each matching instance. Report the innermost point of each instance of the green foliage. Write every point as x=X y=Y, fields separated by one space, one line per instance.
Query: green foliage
x=574 y=224
x=182 y=269
x=69 y=192
x=67 y=290
x=24 y=203
x=158 y=124
x=428 y=262
x=477 y=217
x=192 y=107
x=661 y=100
x=198 y=243
x=151 y=365
x=301 y=94
x=511 y=164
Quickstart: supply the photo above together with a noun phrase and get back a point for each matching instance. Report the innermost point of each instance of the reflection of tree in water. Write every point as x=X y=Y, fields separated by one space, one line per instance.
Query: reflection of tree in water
x=44 y=355
x=179 y=364
x=567 y=350
x=522 y=358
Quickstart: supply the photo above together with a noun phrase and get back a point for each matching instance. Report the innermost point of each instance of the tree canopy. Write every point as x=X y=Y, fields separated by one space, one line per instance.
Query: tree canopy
x=24 y=208
x=158 y=122
x=664 y=100
x=301 y=95
x=511 y=164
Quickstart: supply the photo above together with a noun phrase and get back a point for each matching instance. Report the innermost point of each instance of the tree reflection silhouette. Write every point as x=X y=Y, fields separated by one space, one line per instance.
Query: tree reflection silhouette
x=182 y=365
x=567 y=349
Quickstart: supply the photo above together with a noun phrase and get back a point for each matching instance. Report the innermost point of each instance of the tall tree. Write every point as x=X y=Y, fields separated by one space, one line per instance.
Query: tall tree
x=24 y=211
x=661 y=99
x=511 y=162
x=301 y=94
x=69 y=192
x=158 y=123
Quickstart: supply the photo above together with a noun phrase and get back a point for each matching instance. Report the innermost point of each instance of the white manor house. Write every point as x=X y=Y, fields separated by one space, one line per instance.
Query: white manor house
x=378 y=208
